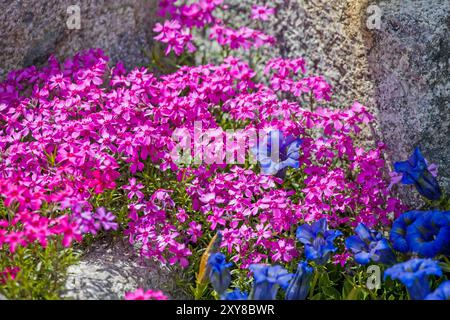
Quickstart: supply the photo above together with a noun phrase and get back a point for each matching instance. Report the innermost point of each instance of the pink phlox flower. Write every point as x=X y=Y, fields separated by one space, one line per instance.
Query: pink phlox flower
x=262 y=12
x=140 y=294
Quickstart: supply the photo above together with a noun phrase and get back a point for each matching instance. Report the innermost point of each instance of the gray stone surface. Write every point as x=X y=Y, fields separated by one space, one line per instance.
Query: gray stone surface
x=331 y=36
x=109 y=269
x=409 y=62
x=31 y=30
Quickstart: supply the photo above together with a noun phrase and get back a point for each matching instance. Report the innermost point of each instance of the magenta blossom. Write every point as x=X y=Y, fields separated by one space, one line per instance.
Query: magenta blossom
x=140 y=294
x=134 y=189
x=262 y=12
x=105 y=219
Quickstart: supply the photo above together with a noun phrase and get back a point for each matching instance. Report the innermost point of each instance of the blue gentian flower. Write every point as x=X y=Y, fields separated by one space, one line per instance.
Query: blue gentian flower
x=414 y=276
x=369 y=245
x=446 y=214
x=267 y=281
x=300 y=283
x=415 y=171
x=318 y=240
x=399 y=230
x=441 y=293
x=446 y=249
x=219 y=273
x=424 y=232
x=429 y=235
x=288 y=153
x=236 y=294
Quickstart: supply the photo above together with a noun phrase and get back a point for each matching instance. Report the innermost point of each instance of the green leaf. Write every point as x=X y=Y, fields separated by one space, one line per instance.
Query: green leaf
x=354 y=294
x=324 y=281
x=347 y=287
x=317 y=296
x=332 y=293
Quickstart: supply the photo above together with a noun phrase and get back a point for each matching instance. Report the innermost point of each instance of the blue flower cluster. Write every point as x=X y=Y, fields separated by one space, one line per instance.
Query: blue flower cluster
x=368 y=246
x=425 y=233
x=421 y=233
x=267 y=280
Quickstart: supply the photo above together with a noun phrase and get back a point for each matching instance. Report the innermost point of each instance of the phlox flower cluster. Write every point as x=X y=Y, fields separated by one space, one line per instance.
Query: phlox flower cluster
x=284 y=77
x=140 y=294
x=244 y=37
x=71 y=129
x=174 y=36
x=177 y=32
x=68 y=128
x=253 y=215
x=8 y=273
x=27 y=225
x=65 y=129
x=328 y=154
x=160 y=230
x=92 y=222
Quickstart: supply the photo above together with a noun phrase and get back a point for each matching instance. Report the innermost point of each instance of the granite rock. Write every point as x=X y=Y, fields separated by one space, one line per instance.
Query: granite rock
x=331 y=36
x=110 y=268
x=409 y=62
x=33 y=30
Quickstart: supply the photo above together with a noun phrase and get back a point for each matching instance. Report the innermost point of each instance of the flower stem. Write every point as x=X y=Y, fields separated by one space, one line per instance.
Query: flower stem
x=313 y=285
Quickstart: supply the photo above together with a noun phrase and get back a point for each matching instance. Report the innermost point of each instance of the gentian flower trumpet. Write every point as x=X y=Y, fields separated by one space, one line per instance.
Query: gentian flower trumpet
x=236 y=294
x=219 y=274
x=318 y=240
x=429 y=235
x=301 y=282
x=416 y=171
x=426 y=233
x=399 y=230
x=441 y=293
x=414 y=276
x=267 y=281
x=369 y=245
x=288 y=153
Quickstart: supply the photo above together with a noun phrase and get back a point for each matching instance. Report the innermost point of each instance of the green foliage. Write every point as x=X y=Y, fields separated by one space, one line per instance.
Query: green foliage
x=41 y=271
